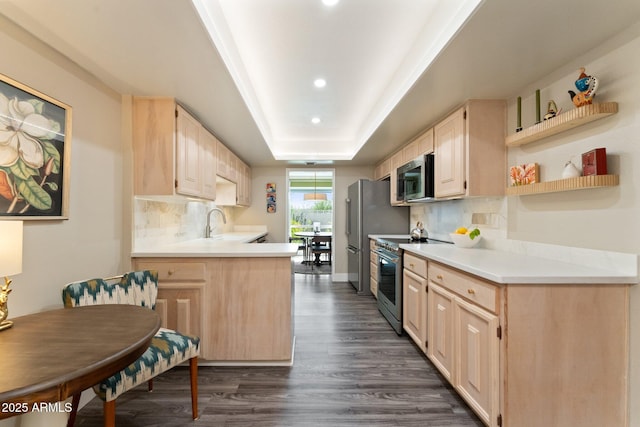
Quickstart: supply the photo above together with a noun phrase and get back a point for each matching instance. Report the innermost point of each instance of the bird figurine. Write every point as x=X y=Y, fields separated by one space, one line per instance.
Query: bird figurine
x=587 y=87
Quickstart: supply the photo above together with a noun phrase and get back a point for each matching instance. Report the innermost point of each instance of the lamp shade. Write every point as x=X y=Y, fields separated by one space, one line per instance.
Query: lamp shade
x=10 y=248
x=315 y=196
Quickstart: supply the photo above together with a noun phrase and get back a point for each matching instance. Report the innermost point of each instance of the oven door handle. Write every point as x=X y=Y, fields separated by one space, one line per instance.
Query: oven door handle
x=386 y=256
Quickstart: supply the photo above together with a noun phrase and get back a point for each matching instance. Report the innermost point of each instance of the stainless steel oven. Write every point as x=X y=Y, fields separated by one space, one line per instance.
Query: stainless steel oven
x=390 y=277
x=390 y=284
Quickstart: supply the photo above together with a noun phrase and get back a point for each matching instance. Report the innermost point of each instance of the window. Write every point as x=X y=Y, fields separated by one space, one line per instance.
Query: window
x=310 y=200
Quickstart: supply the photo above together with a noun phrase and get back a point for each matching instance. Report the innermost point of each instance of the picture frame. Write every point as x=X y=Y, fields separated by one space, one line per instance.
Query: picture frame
x=35 y=153
x=525 y=174
x=271 y=197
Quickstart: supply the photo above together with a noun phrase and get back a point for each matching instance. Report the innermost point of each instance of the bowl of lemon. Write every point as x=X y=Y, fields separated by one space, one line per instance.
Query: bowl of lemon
x=466 y=238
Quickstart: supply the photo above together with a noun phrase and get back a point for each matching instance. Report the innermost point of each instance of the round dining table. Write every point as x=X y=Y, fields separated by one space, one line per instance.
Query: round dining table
x=50 y=356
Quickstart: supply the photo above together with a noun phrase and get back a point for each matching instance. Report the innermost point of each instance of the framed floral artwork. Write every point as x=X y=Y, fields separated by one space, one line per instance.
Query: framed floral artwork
x=35 y=151
x=524 y=174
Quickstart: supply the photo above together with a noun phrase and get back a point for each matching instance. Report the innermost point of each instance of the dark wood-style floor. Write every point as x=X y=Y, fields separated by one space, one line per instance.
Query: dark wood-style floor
x=350 y=369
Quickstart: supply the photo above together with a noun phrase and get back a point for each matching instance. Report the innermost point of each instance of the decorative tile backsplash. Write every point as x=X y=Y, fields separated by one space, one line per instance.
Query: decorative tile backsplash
x=166 y=221
x=442 y=218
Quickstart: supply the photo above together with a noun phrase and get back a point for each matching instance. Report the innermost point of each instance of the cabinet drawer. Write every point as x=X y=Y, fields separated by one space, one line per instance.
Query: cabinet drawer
x=373 y=287
x=468 y=287
x=373 y=270
x=372 y=244
x=373 y=257
x=174 y=271
x=415 y=264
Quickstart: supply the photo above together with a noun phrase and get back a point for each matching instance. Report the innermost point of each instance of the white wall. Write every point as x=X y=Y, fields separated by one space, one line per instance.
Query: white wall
x=90 y=243
x=257 y=214
x=606 y=218
x=603 y=218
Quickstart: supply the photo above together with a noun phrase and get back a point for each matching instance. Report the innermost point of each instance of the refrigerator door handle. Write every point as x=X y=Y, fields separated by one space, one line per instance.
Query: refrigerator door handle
x=348 y=229
x=352 y=250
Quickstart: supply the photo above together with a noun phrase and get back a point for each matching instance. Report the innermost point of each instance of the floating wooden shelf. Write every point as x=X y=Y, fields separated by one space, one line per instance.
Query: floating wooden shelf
x=569 y=184
x=562 y=122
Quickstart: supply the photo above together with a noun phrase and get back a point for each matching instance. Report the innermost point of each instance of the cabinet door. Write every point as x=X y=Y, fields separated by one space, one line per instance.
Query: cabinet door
x=477 y=359
x=425 y=143
x=243 y=187
x=154 y=134
x=178 y=305
x=208 y=164
x=222 y=157
x=396 y=162
x=373 y=280
x=420 y=146
x=450 y=152
x=382 y=169
x=373 y=275
x=188 y=154
x=247 y=185
x=181 y=286
x=414 y=307
x=440 y=330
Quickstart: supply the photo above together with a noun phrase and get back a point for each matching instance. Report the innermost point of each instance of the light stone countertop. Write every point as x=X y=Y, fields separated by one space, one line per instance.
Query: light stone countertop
x=227 y=245
x=508 y=267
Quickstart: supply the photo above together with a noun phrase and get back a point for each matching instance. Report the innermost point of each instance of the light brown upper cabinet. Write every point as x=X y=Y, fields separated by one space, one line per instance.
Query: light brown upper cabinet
x=243 y=187
x=172 y=152
x=235 y=188
x=470 y=155
x=420 y=146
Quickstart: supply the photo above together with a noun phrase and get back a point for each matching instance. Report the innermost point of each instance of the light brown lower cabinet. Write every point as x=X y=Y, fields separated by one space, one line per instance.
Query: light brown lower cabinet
x=534 y=355
x=242 y=308
x=414 y=299
x=373 y=268
x=373 y=280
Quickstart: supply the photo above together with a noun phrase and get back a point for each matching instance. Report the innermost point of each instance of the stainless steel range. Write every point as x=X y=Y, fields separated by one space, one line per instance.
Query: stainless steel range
x=390 y=277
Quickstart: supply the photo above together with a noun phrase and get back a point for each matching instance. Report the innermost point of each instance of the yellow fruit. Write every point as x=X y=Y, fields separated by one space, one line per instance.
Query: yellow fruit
x=461 y=230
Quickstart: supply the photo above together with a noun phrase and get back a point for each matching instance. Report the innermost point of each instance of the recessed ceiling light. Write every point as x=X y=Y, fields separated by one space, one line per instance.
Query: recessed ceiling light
x=315 y=120
x=330 y=2
x=320 y=83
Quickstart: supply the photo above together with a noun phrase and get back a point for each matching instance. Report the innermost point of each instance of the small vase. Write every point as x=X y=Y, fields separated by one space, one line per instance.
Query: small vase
x=570 y=170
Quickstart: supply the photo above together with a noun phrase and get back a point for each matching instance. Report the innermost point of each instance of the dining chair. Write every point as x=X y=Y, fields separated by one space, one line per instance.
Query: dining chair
x=321 y=245
x=168 y=348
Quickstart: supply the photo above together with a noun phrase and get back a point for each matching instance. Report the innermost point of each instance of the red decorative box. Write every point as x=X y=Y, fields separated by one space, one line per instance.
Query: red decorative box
x=594 y=162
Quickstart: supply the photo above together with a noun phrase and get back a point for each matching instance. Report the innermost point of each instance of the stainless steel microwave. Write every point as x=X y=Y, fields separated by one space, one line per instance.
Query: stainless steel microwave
x=416 y=180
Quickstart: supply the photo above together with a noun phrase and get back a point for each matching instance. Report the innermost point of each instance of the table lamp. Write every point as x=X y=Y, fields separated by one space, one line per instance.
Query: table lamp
x=10 y=264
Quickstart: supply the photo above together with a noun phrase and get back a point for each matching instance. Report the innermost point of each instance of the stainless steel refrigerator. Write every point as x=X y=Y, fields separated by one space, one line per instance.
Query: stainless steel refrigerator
x=369 y=212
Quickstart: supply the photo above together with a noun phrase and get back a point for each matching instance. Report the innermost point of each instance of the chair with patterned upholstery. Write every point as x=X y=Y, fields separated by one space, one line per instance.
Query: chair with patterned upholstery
x=168 y=348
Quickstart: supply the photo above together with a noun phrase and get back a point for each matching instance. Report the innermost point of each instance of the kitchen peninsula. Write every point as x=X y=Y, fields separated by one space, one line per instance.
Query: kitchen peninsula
x=236 y=295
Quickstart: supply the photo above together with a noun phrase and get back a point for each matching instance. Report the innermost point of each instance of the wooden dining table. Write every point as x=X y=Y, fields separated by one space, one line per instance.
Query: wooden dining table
x=48 y=357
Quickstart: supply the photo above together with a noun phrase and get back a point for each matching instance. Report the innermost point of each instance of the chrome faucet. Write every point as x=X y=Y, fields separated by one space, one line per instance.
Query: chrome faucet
x=207 y=232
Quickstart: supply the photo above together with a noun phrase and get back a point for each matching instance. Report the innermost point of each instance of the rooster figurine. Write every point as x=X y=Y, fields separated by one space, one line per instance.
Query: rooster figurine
x=587 y=87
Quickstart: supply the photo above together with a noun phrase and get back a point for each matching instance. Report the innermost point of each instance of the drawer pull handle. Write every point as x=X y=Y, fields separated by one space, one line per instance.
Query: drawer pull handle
x=411 y=265
x=471 y=291
x=170 y=273
x=439 y=276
